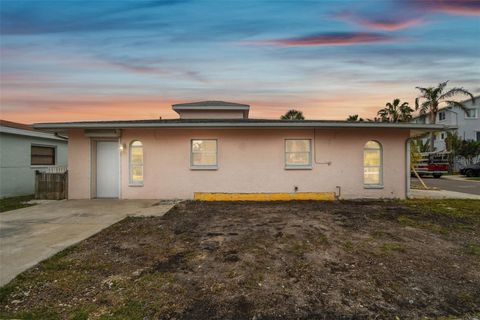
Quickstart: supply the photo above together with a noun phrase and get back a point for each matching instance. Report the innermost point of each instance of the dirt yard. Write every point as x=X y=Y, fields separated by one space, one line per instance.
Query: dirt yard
x=295 y=260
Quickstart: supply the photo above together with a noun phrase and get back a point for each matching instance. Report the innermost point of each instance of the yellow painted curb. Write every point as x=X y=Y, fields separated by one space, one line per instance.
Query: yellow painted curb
x=211 y=196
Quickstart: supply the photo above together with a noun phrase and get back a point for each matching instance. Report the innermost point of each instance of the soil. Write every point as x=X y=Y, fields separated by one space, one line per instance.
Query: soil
x=242 y=260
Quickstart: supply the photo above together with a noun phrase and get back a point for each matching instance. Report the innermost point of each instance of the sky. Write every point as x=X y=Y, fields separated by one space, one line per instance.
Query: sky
x=110 y=60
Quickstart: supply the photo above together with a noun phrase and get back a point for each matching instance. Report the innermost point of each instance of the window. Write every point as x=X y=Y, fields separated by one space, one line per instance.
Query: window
x=372 y=164
x=441 y=116
x=42 y=156
x=136 y=163
x=203 y=154
x=471 y=113
x=478 y=135
x=298 y=154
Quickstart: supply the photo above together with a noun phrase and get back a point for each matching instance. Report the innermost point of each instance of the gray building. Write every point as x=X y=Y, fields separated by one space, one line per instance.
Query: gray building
x=23 y=150
x=467 y=123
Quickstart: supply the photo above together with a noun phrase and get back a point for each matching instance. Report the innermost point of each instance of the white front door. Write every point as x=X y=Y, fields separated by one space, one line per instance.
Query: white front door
x=107 y=169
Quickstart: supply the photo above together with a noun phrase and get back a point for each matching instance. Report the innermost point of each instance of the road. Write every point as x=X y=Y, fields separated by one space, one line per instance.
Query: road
x=472 y=187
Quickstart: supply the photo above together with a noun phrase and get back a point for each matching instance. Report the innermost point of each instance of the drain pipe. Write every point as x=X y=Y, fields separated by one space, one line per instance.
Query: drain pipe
x=328 y=163
x=407 y=167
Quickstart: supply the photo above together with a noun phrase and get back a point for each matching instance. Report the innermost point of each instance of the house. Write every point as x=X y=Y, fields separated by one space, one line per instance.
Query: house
x=24 y=150
x=467 y=123
x=215 y=151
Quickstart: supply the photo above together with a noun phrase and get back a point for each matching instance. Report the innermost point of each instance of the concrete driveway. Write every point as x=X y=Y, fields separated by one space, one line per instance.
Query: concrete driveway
x=30 y=235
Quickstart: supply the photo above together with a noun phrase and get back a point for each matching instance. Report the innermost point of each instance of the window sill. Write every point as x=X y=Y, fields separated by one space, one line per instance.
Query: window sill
x=299 y=168
x=204 y=168
x=373 y=186
x=135 y=185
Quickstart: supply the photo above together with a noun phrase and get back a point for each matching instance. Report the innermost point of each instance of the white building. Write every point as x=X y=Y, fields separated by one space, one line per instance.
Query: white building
x=24 y=150
x=467 y=123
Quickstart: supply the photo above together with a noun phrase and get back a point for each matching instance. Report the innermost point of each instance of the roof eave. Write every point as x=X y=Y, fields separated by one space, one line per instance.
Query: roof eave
x=61 y=127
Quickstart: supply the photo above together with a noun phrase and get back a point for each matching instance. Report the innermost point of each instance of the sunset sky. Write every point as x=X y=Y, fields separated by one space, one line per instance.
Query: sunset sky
x=99 y=60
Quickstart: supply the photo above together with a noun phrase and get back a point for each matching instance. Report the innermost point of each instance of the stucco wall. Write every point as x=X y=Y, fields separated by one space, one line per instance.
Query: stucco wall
x=250 y=160
x=211 y=114
x=17 y=176
x=79 y=165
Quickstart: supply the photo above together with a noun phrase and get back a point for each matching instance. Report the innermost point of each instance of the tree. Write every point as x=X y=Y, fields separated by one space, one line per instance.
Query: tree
x=430 y=100
x=354 y=117
x=396 y=112
x=469 y=150
x=293 y=115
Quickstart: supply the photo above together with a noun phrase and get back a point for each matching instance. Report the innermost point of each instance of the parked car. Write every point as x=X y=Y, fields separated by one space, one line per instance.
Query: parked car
x=472 y=170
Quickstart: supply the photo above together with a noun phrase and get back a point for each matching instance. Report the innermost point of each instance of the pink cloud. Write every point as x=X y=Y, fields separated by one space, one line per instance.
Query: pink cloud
x=383 y=23
x=331 y=39
x=455 y=7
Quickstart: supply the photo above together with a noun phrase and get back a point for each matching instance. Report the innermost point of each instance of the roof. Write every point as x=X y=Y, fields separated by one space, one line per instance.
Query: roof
x=237 y=123
x=211 y=103
x=11 y=127
x=16 y=125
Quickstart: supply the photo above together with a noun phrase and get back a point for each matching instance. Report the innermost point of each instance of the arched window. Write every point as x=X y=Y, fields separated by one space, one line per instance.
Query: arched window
x=136 y=163
x=372 y=164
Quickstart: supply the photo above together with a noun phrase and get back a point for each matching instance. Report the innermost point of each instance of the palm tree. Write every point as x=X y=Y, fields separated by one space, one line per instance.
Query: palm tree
x=354 y=117
x=431 y=99
x=396 y=112
x=293 y=115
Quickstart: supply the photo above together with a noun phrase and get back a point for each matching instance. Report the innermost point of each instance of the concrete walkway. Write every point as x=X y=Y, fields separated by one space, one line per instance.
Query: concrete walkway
x=30 y=235
x=440 y=194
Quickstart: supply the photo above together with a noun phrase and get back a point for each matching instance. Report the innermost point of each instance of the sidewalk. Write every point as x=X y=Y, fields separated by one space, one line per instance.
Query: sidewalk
x=458 y=178
x=440 y=194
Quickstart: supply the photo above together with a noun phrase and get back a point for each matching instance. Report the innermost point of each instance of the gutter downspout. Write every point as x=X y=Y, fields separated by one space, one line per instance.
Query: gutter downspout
x=407 y=166
x=59 y=136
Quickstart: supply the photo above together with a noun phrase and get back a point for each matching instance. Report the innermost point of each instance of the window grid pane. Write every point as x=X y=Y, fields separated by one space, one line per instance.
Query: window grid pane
x=136 y=163
x=204 y=153
x=297 y=152
x=372 y=163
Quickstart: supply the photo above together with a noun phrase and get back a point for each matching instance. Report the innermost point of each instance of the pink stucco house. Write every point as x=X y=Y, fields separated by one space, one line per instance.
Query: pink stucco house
x=214 y=147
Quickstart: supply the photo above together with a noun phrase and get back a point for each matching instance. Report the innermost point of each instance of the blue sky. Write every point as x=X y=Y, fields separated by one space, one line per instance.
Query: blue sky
x=86 y=60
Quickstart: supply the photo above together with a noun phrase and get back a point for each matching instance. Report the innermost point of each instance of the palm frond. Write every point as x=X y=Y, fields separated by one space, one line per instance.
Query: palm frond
x=456 y=91
x=417 y=100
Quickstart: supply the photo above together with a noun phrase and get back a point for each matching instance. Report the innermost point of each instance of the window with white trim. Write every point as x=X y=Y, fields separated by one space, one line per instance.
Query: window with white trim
x=372 y=164
x=136 y=163
x=442 y=116
x=471 y=113
x=204 y=154
x=298 y=153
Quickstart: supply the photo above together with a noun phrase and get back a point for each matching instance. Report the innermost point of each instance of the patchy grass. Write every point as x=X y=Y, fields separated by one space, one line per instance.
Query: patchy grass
x=296 y=260
x=449 y=207
x=392 y=247
x=474 y=178
x=12 y=203
x=442 y=215
x=472 y=248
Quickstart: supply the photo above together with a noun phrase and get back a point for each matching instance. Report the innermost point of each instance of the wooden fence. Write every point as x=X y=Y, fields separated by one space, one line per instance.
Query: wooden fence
x=51 y=186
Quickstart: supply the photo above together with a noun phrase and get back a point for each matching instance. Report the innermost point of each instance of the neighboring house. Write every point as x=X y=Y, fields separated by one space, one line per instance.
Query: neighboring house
x=214 y=147
x=467 y=123
x=23 y=150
